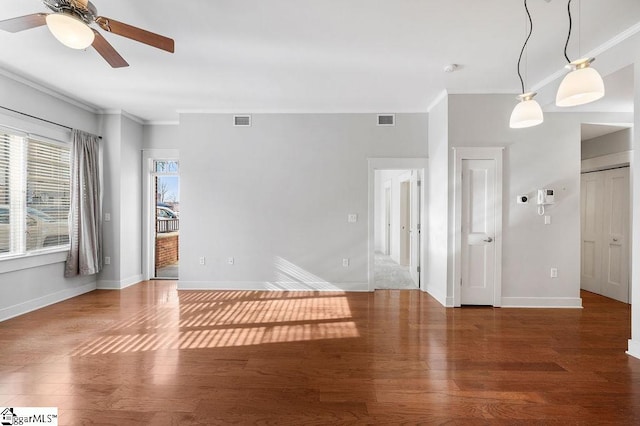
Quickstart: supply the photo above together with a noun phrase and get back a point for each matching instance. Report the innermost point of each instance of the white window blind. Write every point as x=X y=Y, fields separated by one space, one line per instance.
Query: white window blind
x=34 y=194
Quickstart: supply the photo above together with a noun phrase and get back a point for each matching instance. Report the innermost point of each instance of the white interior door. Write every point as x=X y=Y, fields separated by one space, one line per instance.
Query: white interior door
x=387 y=223
x=605 y=233
x=615 y=262
x=478 y=219
x=592 y=189
x=405 y=223
x=415 y=227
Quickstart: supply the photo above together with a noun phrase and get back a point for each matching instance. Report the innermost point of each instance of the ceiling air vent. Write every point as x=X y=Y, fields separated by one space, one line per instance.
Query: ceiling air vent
x=242 y=120
x=386 y=119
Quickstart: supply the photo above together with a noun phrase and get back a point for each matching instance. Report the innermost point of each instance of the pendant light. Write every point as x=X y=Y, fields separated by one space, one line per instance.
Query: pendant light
x=583 y=84
x=527 y=113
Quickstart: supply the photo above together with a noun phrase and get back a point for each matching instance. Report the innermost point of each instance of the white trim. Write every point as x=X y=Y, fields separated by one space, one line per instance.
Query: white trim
x=41 y=302
x=48 y=91
x=476 y=153
x=119 y=285
x=609 y=44
x=602 y=162
x=272 y=286
x=124 y=114
x=634 y=348
x=35 y=260
x=162 y=123
x=542 y=302
x=148 y=210
x=397 y=164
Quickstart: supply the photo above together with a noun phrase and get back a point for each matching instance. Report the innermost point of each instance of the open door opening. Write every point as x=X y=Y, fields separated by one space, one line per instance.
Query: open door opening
x=605 y=196
x=167 y=221
x=397 y=229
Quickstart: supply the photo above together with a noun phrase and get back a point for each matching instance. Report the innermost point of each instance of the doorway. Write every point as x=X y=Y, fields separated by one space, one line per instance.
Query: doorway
x=605 y=209
x=397 y=232
x=166 y=226
x=478 y=223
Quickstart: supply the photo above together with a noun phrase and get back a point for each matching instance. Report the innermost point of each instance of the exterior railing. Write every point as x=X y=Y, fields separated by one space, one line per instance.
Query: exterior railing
x=167 y=225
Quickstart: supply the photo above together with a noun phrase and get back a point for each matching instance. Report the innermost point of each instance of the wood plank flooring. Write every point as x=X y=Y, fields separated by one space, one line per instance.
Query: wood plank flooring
x=153 y=355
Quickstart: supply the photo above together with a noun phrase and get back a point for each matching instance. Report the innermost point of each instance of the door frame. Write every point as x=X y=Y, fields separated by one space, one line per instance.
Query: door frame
x=605 y=162
x=396 y=164
x=148 y=206
x=476 y=153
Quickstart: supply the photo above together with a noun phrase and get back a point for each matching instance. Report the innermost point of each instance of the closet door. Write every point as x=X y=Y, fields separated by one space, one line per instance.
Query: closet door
x=592 y=189
x=605 y=233
x=615 y=238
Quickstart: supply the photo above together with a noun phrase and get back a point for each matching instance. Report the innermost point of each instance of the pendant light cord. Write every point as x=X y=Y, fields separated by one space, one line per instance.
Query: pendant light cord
x=568 y=35
x=525 y=43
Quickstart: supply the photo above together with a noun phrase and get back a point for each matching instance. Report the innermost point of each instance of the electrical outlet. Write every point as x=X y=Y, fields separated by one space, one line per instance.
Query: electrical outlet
x=202 y=260
x=352 y=218
x=547 y=220
x=554 y=272
x=231 y=260
x=107 y=217
x=107 y=260
x=345 y=262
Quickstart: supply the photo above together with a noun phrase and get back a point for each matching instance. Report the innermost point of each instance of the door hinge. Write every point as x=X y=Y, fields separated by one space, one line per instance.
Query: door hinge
x=460 y=282
x=418 y=269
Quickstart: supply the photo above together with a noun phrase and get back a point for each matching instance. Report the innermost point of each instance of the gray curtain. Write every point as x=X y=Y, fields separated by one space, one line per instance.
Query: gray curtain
x=85 y=230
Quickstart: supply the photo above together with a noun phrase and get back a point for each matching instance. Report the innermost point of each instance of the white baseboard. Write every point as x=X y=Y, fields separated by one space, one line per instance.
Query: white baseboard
x=119 y=285
x=634 y=348
x=441 y=298
x=271 y=286
x=542 y=302
x=41 y=302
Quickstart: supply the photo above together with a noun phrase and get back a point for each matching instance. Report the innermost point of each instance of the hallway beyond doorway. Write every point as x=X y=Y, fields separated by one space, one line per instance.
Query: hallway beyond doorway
x=390 y=275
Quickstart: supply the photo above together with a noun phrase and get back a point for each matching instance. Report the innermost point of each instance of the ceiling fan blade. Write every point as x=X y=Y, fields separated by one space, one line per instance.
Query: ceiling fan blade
x=137 y=34
x=107 y=51
x=22 y=23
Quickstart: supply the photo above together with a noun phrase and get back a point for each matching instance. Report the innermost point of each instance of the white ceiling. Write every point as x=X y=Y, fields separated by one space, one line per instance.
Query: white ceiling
x=309 y=56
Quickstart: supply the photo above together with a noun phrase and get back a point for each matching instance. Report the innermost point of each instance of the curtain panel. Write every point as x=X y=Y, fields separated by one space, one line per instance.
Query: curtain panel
x=85 y=230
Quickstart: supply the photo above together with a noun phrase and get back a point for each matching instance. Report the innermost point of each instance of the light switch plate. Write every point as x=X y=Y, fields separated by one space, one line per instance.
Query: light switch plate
x=352 y=218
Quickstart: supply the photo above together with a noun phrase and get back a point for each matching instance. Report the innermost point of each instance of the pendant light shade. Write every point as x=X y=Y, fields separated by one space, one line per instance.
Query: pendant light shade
x=70 y=31
x=527 y=112
x=581 y=86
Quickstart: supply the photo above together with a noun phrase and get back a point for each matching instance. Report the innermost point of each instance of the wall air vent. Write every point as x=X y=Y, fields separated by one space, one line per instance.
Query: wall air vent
x=242 y=120
x=386 y=119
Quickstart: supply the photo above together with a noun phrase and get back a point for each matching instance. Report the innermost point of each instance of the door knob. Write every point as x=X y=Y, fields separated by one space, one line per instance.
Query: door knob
x=488 y=240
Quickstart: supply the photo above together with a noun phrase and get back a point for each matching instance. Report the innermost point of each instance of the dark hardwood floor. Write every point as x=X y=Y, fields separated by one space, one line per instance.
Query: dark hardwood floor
x=153 y=355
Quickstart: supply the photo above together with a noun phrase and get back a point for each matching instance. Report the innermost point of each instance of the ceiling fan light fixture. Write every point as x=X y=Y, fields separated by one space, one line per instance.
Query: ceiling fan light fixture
x=527 y=113
x=581 y=86
x=70 y=31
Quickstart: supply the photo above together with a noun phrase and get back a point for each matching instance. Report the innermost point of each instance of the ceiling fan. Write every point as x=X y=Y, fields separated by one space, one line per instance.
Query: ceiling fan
x=70 y=24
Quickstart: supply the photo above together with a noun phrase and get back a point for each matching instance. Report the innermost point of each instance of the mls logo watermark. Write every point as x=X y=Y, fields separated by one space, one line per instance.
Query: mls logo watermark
x=28 y=416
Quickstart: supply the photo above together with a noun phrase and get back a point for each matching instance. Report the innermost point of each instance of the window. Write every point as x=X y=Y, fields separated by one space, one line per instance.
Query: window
x=34 y=194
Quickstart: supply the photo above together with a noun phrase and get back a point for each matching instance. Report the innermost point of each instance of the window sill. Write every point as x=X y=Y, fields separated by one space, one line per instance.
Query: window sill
x=33 y=260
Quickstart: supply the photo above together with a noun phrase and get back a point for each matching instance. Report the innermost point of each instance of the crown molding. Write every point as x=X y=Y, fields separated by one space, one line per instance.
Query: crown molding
x=49 y=91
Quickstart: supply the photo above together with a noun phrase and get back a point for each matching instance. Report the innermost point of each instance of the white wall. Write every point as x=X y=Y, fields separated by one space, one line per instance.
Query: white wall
x=275 y=196
x=438 y=203
x=122 y=199
x=546 y=156
x=612 y=143
x=634 y=342
x=30 y=283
